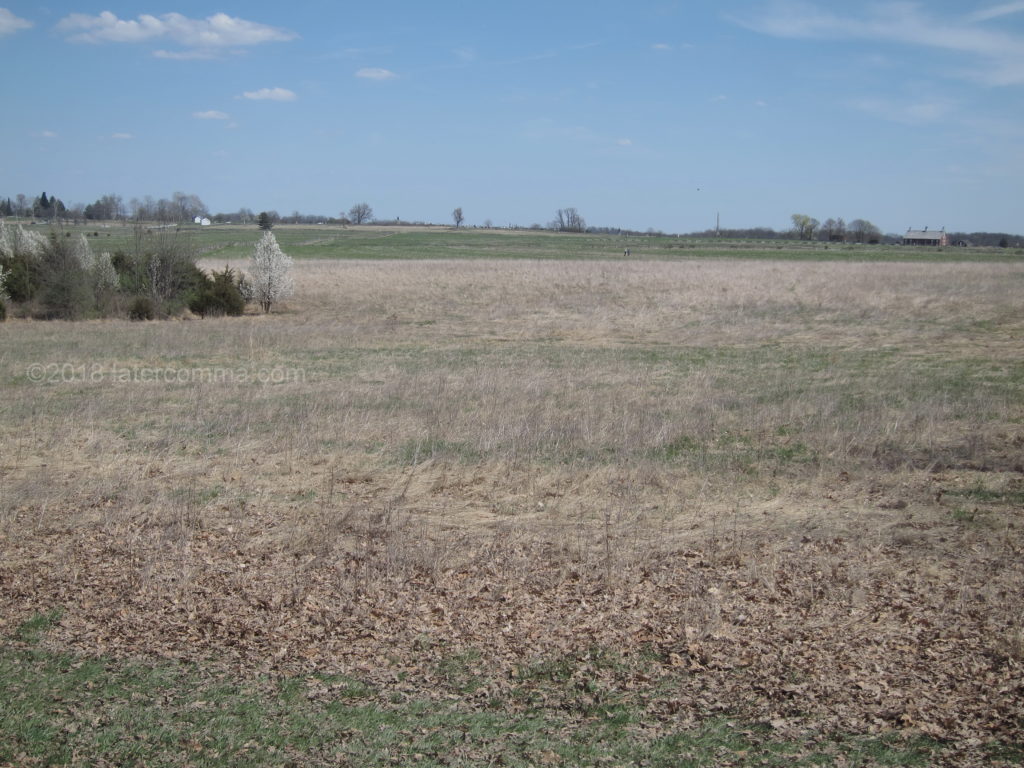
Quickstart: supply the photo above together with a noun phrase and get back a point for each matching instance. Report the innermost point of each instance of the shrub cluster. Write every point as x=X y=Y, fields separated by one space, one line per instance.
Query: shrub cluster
x=60 y=277
x=221 y=294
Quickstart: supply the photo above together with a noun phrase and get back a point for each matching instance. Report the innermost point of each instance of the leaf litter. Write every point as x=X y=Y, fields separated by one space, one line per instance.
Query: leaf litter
x=808 y=636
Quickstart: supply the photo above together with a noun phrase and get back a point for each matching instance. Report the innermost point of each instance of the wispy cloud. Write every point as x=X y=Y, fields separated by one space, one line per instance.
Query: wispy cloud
x=661 y=47
x=9 y=23
x=1001 y=53
x=375 y=73
x=47 y=134
x=625 y=142
x=998 y=10
x=191 y=55
x=216 y=33
x=211 y=114
x=270 y=94
x=122 y=136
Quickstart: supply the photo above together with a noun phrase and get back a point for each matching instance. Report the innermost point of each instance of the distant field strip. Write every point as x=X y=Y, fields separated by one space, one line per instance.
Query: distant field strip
x=371 y=242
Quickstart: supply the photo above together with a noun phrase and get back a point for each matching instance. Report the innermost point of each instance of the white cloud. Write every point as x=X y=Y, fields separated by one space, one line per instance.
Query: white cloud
x=465 y=54
x=211 y=114
x=661 y=47
x=375 y=73
x=625 y=142
x=214 y=33
x=904 y=23
x=192 y=55
x=48 y=135
x=9 y=23
x=760 y=103
x=270 y=94
x=122 y=136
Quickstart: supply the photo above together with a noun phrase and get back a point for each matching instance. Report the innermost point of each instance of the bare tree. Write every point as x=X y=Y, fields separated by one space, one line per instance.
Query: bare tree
x=360 y=213
x=832 y=231
x=457 y=217
x=168 y=259
x=864 y=231
x=568 y=220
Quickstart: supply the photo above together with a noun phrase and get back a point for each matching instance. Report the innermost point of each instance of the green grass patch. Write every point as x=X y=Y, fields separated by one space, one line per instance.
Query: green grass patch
x=416 y=451
x=979 y=493
x=63 y=709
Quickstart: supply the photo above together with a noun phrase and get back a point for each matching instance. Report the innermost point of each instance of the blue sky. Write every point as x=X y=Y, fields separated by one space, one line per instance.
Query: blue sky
x=642 y=114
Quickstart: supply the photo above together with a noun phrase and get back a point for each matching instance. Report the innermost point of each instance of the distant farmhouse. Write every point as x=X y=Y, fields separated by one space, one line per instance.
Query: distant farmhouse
x=924 y=237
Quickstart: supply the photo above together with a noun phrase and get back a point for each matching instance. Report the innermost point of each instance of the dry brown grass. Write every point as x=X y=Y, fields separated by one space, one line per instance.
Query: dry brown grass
x=814 y=432
x=501 y=391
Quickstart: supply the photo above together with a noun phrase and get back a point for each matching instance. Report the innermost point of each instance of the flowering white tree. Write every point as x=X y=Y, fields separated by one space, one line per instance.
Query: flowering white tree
x=23 y=251
x=17 y=241
x=269 y=273
x=99 y=268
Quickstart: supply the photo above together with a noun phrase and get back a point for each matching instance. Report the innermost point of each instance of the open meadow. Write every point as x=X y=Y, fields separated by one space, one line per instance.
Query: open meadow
x=504 y=498
x=235 y=241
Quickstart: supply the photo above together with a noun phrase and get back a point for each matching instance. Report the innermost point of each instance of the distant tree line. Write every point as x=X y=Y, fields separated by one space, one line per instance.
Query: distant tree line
x=180 y=207
x=42 y=207
x=834 y=230
x=990 y=239
x=183 y=208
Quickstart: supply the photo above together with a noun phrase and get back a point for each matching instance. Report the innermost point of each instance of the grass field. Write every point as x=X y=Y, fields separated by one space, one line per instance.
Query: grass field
x=480 y=500
x=231 y=241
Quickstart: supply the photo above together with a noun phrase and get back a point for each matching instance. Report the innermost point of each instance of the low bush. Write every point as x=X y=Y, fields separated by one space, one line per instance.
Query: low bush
x=221 y=295
x=22 y=278
x=141 y=308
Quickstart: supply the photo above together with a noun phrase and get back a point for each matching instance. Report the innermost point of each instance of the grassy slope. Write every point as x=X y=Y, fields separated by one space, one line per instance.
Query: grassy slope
x=371 y=242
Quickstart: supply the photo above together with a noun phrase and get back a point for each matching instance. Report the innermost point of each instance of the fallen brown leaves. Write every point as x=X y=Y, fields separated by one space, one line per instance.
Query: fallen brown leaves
x=808 y=635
